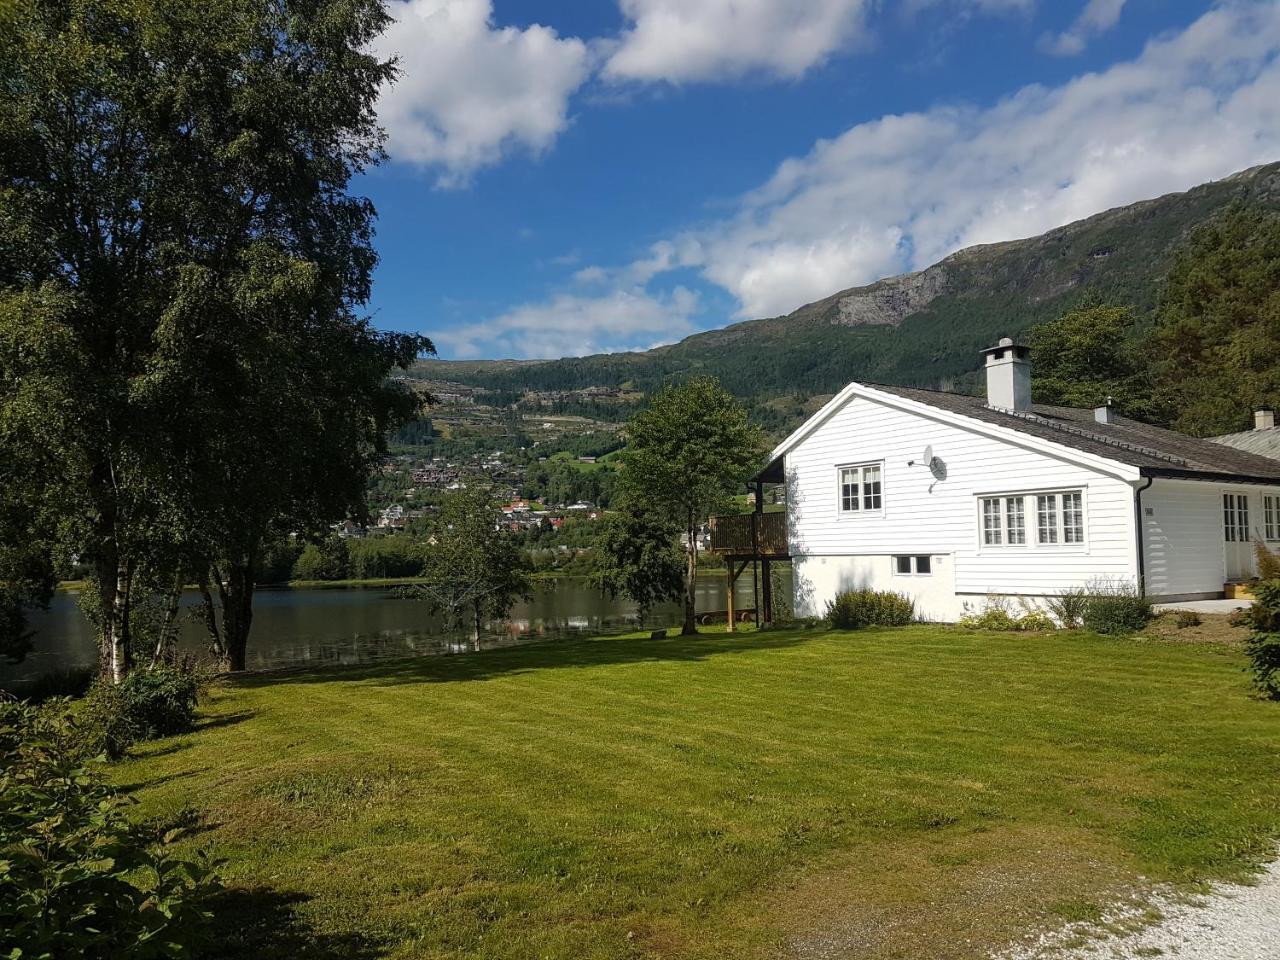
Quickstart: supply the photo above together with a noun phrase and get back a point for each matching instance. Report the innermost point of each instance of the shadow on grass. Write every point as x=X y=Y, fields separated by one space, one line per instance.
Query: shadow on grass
x=258 y=922
x=549 y=655
x=224 y=719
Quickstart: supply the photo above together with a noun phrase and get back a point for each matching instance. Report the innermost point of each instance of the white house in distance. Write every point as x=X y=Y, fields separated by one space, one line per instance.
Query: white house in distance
x=951 y=498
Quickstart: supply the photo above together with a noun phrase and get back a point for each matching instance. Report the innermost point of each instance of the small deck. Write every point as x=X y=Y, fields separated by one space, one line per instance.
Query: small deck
x=750 y=536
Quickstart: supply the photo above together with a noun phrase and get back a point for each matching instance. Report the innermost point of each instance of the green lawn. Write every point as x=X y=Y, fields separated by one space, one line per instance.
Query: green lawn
x=922 y=792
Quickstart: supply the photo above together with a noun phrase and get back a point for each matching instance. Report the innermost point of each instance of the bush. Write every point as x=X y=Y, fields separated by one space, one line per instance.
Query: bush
x=1187 y=618
x=1116 y=607
x=76 y=880
x=1263 y=645
x=1268 y=562
x=852 y=609
x=159 y=702
x=997 y=614
x=1068 y=608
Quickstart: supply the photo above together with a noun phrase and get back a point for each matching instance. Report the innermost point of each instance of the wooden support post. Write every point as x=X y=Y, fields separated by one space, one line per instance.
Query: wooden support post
x=766 y=590
x=732 y=577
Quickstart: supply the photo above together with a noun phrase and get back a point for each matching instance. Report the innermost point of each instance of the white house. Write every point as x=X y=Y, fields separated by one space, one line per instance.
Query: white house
x=952 y=498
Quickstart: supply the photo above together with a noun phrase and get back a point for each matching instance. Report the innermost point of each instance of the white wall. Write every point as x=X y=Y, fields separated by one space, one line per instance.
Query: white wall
x=942 y=521
x=1183 y=538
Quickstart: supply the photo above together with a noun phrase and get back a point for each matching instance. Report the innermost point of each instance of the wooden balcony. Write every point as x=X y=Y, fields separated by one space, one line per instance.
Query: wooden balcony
x=750 y=535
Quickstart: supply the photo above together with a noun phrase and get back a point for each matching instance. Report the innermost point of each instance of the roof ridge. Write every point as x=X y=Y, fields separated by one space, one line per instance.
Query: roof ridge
x=1097 y=437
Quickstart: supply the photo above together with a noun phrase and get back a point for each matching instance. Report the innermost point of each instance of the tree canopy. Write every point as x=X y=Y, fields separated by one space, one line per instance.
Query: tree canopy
x=686 y=455
x=182 y=274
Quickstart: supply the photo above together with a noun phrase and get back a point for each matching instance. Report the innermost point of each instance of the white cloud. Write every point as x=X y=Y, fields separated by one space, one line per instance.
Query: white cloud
x=901 y=192
x=693 y=40
x=470 y=92
x=1098 y=16
x=573 y=326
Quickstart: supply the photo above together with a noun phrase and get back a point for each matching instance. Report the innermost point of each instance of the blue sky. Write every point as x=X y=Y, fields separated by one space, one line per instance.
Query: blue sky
x=588 y=175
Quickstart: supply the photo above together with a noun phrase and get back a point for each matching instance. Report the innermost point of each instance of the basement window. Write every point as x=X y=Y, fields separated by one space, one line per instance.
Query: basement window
x=913 y=566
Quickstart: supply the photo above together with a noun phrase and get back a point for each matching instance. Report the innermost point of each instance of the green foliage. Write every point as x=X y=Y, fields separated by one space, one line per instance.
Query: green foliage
x=852 y=609
x=1088 y=356
x=1068 y=608
x=330 y=559
x=76 y=880
x=277 y=560
x=471 y=571
x=686 y=455
x=1116 y=607
x=997 y=613
x=158 y=702
x=1263 y=645
x=1217 y=344
x=638 y=556
x=1268 y=561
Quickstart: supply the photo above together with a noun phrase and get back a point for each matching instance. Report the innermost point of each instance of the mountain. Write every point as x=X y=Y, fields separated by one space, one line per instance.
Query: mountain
x=919 y=329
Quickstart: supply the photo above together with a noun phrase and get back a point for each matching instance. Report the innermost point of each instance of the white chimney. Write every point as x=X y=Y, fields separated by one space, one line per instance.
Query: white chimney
x=1103 y=414
x=1264 y=419
x=1008 y=376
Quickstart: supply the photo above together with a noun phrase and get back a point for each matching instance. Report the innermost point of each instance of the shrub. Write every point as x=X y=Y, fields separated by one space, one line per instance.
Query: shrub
x=1268 y=562
x=1187 y=618
x=76 y=879
x=852 y=609
x=997 y=614
x=1068 y=608
x=159 y=702
x=1263 y=645
x=1116 y=607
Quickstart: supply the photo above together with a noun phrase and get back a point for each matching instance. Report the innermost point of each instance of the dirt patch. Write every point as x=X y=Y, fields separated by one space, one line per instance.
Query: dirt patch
x=1214 y=628
x=958 y=895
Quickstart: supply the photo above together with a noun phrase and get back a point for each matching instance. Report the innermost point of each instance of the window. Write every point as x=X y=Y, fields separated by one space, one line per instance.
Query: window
x=1235 y=517
x=1047 y=518
x=920 y=566
x=861 y=488
x=1059 y=519
x=1271 y=514
x=992 y=535
x=1073 y=517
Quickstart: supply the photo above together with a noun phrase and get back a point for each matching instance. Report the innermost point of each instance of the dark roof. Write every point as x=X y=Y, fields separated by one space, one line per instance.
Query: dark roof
x=1264 y=442
x=1157 y=452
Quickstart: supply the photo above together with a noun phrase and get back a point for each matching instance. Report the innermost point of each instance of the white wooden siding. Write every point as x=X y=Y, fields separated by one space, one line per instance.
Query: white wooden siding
x=1183 y=534
x=944 y=520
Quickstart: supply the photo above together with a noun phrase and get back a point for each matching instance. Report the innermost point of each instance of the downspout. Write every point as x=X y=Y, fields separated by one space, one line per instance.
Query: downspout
x=1138 y=531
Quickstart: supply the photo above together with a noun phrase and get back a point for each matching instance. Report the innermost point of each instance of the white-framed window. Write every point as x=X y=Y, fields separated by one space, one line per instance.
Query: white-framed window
x=1057 y=518
x=1271 y=516
x=915 y=565
x=1235 y=517
x=861 y=488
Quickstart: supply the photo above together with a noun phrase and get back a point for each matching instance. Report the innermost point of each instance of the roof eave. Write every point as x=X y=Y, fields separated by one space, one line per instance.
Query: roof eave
x=1210 y=476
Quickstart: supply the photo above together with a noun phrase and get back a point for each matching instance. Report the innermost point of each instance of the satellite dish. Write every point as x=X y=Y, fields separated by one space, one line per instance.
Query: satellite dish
x=938 y=467
x=928 y=454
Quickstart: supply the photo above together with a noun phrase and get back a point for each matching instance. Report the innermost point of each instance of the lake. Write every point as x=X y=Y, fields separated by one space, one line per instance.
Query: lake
x=320 y=627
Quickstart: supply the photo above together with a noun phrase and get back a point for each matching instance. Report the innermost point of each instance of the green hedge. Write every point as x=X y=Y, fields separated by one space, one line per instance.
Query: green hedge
x=852 y=609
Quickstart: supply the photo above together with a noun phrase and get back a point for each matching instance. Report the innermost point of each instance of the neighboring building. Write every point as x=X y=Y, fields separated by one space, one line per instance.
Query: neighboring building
x=1263 y=439
x=952 y=498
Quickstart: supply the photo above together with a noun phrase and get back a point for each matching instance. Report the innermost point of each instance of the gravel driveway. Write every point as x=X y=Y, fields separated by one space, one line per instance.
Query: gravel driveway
x=1230 y=923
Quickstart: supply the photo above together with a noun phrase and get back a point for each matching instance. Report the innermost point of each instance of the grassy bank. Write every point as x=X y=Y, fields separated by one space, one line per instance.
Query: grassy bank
x=919 y=792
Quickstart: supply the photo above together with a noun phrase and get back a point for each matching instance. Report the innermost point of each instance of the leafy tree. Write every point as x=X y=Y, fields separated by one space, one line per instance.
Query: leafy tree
x=471 y=571
x=182 y=270
x=686 y=455
x=1217 y=340
x=1088 y=356
x=638 y=556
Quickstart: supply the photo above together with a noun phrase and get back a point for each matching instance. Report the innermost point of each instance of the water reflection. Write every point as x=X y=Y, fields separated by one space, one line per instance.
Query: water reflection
x=352 y=626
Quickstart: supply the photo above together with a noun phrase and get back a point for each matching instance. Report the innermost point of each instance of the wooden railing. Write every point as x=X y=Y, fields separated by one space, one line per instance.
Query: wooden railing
x=750 y=534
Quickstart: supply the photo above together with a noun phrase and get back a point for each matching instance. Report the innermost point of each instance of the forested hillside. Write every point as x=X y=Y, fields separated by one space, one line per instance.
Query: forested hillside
x=921 y=329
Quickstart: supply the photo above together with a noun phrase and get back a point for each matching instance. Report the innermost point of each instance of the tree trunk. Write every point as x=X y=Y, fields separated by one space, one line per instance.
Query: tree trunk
x=690 y=582
x=237 y=611
x=111 y=641
x=168 y=632
x=216 y=646
x=477 y=624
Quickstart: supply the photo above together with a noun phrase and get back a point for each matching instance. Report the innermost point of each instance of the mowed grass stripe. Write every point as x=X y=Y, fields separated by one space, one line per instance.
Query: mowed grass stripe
x=627 y=797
